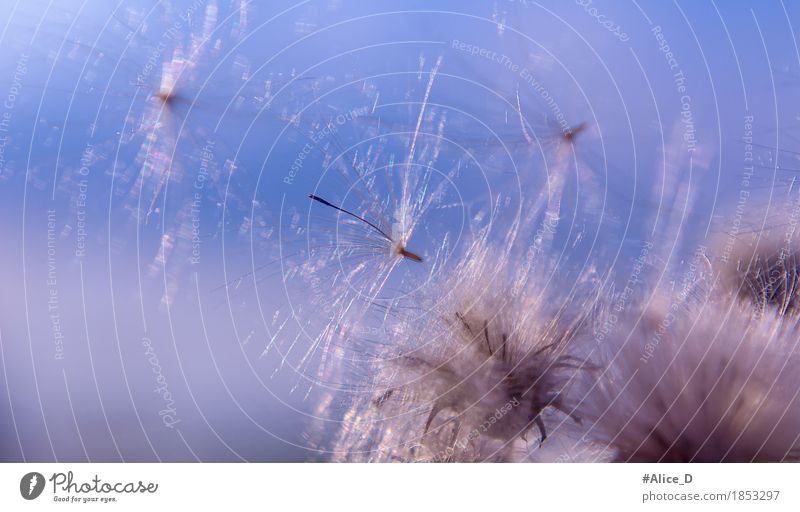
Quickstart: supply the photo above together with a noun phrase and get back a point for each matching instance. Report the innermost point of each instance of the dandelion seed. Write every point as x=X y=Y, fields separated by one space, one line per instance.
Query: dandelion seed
x=397 y=246
x=570 y=134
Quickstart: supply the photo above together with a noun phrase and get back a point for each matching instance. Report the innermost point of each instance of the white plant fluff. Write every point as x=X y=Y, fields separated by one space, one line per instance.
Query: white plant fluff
x=503 y=363
x=708 y=377
x=719 y=384
x=507 y=356
x=480 y=377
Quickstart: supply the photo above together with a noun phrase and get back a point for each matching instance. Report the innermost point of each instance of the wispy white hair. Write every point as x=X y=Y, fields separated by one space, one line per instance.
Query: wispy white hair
x=714 y=380
x=480 y=375
x=505 y=362
x=765 y=272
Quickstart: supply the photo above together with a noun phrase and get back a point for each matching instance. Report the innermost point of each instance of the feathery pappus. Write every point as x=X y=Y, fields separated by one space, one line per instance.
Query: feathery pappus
x=481 y=376
x=714 y=382
x=699 y=368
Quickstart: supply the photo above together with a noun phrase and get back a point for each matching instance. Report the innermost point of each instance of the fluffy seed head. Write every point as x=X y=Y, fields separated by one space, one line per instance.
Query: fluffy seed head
x=715 y=382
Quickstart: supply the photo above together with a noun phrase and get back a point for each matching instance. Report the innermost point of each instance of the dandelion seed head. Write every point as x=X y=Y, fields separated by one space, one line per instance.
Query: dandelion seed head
x=476 y=377
x=714 y=383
